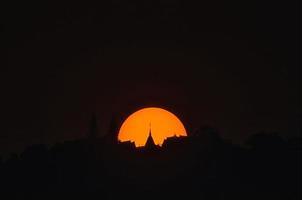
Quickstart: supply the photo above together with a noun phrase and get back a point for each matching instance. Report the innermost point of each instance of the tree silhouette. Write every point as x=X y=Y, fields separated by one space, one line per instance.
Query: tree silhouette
x=200 y=166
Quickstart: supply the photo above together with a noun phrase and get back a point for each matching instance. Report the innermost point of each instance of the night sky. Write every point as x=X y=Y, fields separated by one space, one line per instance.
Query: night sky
x=219 y=63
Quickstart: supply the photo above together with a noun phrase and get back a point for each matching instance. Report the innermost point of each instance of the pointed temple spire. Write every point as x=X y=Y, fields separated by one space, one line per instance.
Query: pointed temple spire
x=150 y=144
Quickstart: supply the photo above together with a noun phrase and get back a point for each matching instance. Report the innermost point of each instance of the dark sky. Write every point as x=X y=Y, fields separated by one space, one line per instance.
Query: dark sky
x=213 y=62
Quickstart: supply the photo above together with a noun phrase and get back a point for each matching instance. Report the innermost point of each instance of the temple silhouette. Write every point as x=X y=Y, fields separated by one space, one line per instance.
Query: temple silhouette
x=150 y=144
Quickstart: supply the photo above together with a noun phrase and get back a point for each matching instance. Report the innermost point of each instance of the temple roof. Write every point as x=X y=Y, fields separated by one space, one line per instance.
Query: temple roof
x=150 y=142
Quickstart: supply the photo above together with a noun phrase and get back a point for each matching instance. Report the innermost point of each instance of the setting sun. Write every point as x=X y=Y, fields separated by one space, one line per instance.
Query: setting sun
x=162 y=123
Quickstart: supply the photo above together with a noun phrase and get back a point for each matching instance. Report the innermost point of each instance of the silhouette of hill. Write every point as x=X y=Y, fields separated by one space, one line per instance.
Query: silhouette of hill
x=201 y=166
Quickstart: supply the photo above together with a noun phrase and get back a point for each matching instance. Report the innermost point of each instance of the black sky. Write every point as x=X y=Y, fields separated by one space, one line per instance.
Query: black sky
x=213 y=62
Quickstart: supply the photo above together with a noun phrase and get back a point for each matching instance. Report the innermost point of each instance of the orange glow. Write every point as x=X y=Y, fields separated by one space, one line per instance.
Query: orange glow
x=163 y=124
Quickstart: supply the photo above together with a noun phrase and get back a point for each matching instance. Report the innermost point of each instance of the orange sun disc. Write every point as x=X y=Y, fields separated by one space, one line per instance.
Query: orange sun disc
x=162 y=123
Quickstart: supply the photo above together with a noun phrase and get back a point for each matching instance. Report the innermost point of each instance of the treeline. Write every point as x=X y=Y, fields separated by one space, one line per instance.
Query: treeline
x=202 y=166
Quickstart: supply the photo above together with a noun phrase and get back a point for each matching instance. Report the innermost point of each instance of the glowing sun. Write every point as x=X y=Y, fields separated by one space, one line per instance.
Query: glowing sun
x=162 y=124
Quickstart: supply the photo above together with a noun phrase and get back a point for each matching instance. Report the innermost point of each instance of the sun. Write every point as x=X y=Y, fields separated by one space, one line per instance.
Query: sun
x=162 y=123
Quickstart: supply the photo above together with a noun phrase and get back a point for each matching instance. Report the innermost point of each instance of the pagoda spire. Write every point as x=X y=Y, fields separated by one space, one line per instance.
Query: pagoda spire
x=150 y=142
